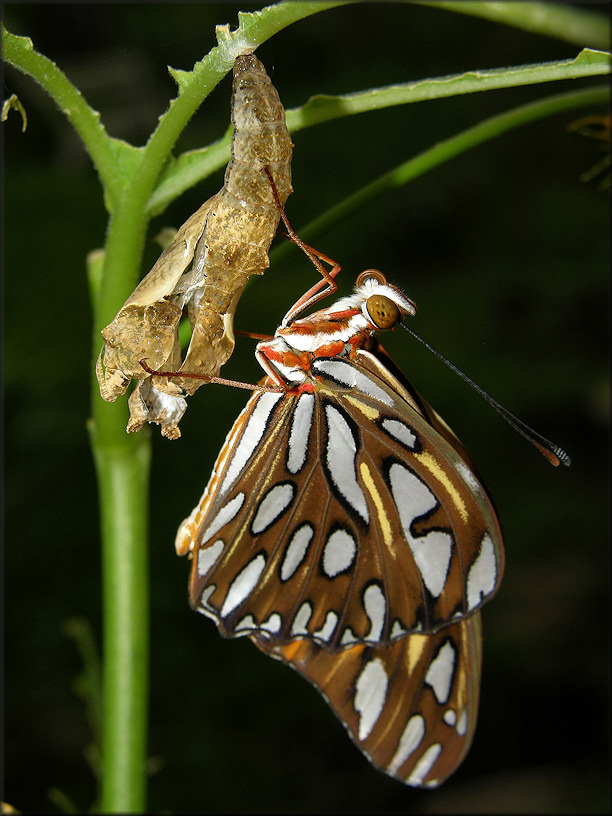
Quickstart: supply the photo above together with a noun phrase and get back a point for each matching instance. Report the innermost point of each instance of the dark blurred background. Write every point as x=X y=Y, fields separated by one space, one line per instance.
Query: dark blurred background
x=505 y=251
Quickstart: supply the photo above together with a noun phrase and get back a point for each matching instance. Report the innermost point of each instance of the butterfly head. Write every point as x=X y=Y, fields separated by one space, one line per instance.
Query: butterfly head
x=382 y=304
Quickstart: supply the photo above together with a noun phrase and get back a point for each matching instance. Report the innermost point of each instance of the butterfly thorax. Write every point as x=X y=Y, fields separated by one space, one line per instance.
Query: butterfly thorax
x=338 y=331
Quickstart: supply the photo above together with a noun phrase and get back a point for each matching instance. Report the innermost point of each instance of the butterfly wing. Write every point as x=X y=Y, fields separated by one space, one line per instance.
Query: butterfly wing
x=341 y=515
x=410 y=707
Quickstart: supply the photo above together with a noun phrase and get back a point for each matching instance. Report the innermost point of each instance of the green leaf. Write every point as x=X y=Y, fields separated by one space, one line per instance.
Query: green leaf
x=322 y=108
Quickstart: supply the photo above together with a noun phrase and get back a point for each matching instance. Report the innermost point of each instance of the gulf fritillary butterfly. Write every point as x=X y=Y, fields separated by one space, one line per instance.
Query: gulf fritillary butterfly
x=345 y=531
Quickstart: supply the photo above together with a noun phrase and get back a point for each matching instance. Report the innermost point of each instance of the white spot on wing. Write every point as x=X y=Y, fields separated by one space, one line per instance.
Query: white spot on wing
x=348 y=636
x=301 y=424
x=338 y=553
x=375 y=608
x=412 y=496
x=440 y=672
x=243 y=584
x=468 y=477
x=450 y=717
x=462 y=723
x=370 y=695
x=397 y=629
x=344 y=373
x=208 y=556
x=327 y=630
x=206 y=593
x=301 y=619
x=251 y=436
x=425 y=764
x=225 y=515
x=296 y=551
x=272 y=506
x=338 y=370
x=411 y=738
x=248 y=622
x=398 y=430
x=432 y=551
x=366 y=385
x=340 y=457
x=273 y=624
x=482 y=574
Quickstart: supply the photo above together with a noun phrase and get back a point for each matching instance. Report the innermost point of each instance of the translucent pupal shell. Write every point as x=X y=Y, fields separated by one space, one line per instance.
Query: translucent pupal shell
x=206 y=266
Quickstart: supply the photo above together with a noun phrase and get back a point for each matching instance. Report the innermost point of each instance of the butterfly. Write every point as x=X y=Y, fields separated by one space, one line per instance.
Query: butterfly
x=346 y=532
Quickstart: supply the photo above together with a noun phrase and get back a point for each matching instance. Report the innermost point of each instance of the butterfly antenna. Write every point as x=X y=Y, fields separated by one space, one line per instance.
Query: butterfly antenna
x=552 y=452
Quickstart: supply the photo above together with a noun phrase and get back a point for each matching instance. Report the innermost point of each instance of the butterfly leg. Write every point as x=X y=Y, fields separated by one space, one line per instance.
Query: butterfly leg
x=212 y=379
x=253 y=335
x=314 y=294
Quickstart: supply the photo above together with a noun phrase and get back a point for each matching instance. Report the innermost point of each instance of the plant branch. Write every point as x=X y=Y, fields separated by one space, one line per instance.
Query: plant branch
x=192 y=167
x=19 y=52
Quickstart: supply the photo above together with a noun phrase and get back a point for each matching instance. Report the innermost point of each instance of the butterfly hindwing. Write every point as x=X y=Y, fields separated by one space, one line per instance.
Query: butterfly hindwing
x=410 y=707
x=338 y=513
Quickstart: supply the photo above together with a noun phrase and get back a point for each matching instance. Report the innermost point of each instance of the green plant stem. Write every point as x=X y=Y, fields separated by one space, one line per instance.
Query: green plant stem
x=123 y=476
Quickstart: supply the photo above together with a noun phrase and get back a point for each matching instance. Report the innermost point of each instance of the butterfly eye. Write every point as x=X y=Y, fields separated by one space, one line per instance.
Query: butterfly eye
x=382 y=311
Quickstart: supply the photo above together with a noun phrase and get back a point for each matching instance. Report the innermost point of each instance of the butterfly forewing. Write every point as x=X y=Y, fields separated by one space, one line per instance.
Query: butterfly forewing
x=410 y=707
x=338 y=513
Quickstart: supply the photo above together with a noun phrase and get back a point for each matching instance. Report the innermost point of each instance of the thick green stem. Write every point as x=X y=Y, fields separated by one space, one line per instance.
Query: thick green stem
x=123 y=476
x=123 y=468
